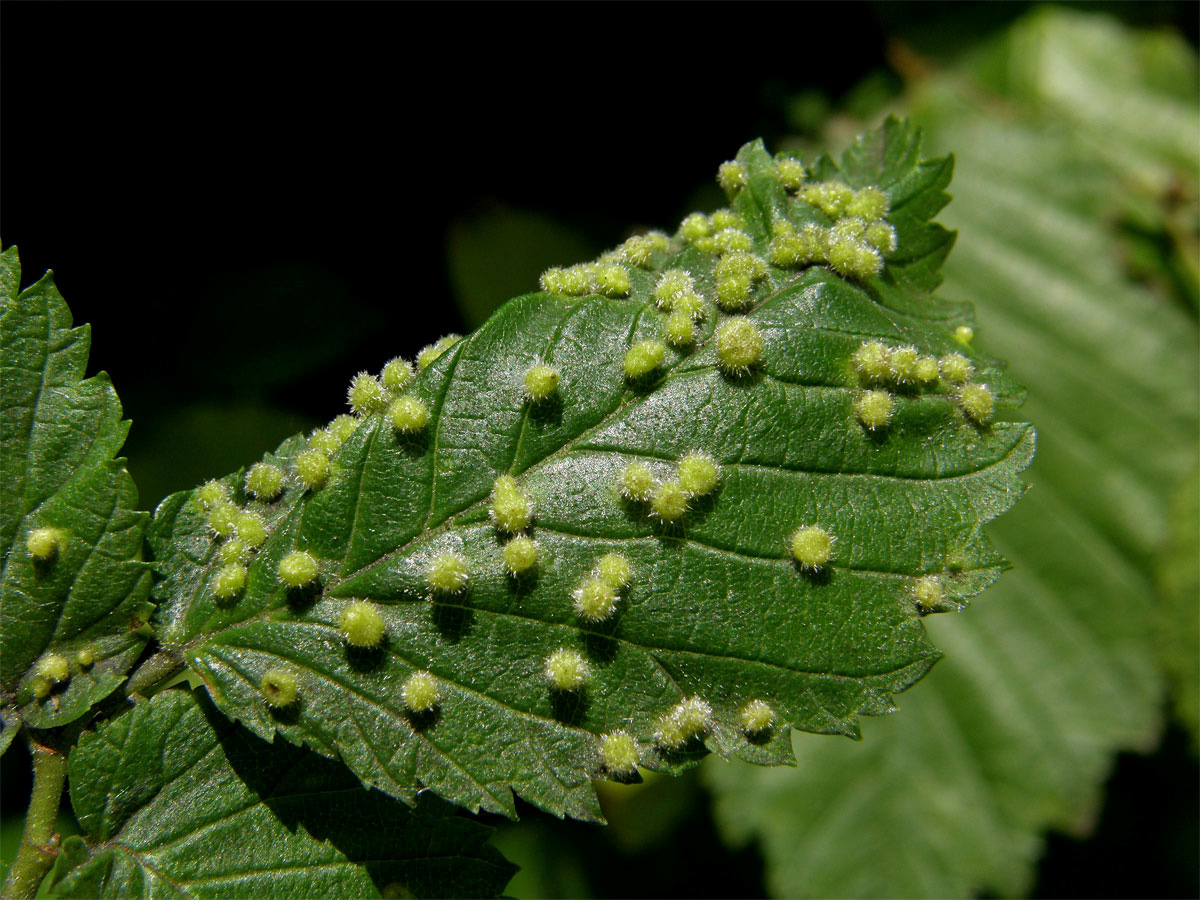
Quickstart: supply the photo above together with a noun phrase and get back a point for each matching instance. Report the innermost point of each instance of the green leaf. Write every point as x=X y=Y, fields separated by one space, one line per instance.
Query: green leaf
x=59 y=435
x=1054 y=670
x=177 y=801
x=716 y=607
x=1178 y=619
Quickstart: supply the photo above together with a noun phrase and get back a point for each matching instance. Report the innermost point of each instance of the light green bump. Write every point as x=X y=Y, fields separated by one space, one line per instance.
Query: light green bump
x=853 y=258
x=540 y=382
x=595 y=599
x=551 y=281
x=210 y=494
x=637 y=251
x=298 y=569
x=643 y=358
x=687 y=721
x=736 y=275
x=956 y=368
x=927 y=369
x=279 y=688
x=756 y=717
x=789 y=173
x=409 y=415
x=811 y=546
x=230 y=581
x=881 y=236
x=873 y=361
x=615 y=569
x=430 y=353
x=928 y=592
x=362 y=624
x=831 y=197
x=420 y=692
x=44 y=544
x=729 y=240
x=964 y=334
x=672 y=284
x=679 y=329
x=567 y=670
x=233 y=551
x=669 y=501
x=250 y=527
x=732 y=177
x=86 y=657
x=366 y=395
x=577 y=280
x=41 y=687
x=725 y=218
x=637 y=482
x=510 y=508
x=611 y=280
x=324 y=441
x=222 y=519
x=902 y=364
x=699 y=473
x=447 y=573
x=397 y=373
x=312 y=468
x=520 y=555
x=53 y=668
x=342 y=427
x=694 y=227
x=977 y=402
x=619 y=754
x=874 y=409
x=868 y=203
x=264 y=481
x=739 y=346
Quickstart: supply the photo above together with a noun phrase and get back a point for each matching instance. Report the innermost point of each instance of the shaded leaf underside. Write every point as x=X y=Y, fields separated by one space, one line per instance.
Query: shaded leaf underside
x=715 y=608
x=177 y=801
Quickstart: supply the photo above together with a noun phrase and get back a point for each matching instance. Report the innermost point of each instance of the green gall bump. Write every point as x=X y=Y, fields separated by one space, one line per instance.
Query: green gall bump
x=230 y=581
x=397 y=373
x=694 y=227
x=540 y=382
x=342 y=427
x=831 y=197
x=672 y=284
x=409 y=415
x=927 y=369
x=361 y=624
x=730 y=240
x=577 y=280
x=789 y=173
x=278 y=688
x=956 y=368
x=788 y=250
x=811 y=546
x=210 y=494
x=874 y=409
x=736 y=275
x=928 y=592
x=53 y=668
x=366 y=395
x=853 y=258
x=44 y=544
x=637 y=483
x=739 y=346
x=324 y=441
x=298 y=569
x=222 y=519
x=643 y=358
x=698 y=474
x=902 y=365
x=447 y=573
x=41 y=687
x=611 y=280
x=86 y=657
x=732 y=177
x=567 y=670
x=756 y=717
x=669 y=501
x=264 y=481
x=233 y=551
x=595 y=599
x=250 y=528
x=551 y=281
x=520 y=555
x=312 y=468
x=619 y=753
x=679 y=329
x=420 y=692
x=431 y=352
x=725 y=218
x=637 y=251
x=977 y=402
x=873 y=361
x=510 y=508
x=881 y=237
x=685 y=722
x=659 y=241
x=869 y=203
x=964 y=334
x=615 y=569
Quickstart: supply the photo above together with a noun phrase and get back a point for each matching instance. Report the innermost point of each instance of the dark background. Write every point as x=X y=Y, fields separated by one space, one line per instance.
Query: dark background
x=251 y=202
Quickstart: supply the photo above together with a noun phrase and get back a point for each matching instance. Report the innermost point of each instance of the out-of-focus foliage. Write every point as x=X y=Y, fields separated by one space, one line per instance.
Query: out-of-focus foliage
x=1076 y=149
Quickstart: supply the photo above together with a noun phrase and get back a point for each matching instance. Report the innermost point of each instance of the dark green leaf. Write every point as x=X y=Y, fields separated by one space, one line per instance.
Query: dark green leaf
x=59 y=435
x=177 y=801
x=716 y=606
